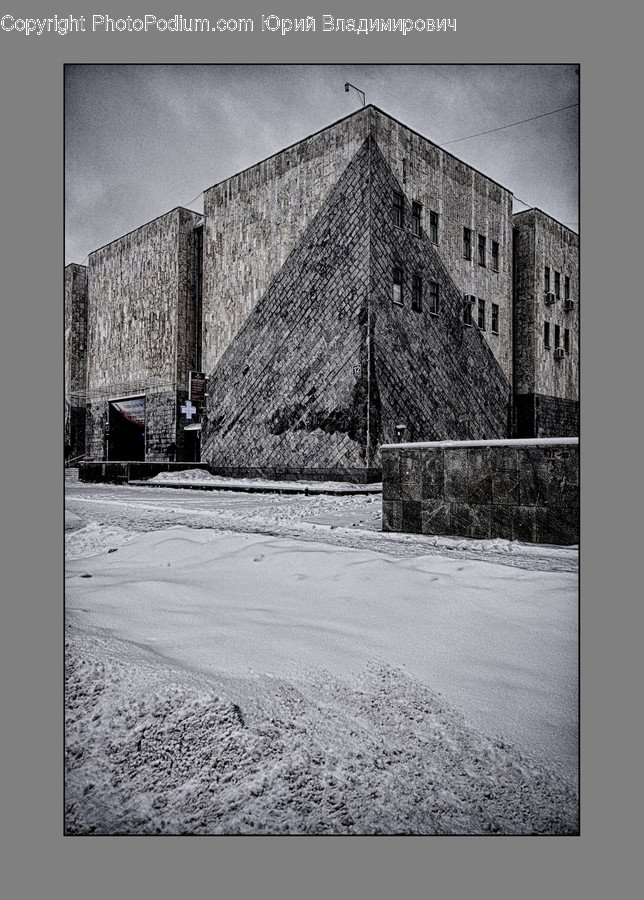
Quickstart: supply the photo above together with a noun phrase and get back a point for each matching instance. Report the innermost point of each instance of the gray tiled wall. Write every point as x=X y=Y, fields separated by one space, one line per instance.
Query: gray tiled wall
x=518 y=490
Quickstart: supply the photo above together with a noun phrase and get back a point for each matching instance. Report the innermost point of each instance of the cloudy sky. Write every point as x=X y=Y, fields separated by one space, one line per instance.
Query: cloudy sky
x=140 y=140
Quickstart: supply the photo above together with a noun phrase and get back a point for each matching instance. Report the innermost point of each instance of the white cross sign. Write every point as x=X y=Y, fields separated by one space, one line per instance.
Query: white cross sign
x=188 y=409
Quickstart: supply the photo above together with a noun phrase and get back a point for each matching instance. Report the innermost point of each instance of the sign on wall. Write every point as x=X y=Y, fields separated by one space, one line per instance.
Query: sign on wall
x=197 y=388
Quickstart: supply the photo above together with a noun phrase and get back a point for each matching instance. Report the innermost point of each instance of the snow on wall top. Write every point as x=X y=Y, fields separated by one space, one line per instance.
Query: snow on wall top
x=521 y=442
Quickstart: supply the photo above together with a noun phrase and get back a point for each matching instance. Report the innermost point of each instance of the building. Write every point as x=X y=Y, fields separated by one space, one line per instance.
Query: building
x=546 y=322
x=142 y=340
x=360 y=286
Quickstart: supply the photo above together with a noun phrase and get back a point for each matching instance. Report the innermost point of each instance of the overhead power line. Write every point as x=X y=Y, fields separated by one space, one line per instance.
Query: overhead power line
x=511 y=125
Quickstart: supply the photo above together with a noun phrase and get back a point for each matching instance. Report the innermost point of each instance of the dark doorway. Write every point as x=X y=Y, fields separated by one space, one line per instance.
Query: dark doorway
x=192 y=445
x=126 y=438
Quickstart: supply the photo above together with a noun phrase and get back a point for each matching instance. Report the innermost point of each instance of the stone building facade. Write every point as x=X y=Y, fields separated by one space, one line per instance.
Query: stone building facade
x=546 y=314
x=75 y=350
x=359 y=282
x=142 y=339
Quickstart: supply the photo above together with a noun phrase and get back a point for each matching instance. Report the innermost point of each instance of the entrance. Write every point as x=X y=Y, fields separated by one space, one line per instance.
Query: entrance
x=126 y=437
x=192 y=443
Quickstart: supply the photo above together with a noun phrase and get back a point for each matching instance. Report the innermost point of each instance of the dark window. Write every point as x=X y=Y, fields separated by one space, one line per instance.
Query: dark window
x=433 y=227
x=566 y=340
x=495 y=318
x=557 y=332
x=416 y=292
x=546 y=279
x=566 y=288
x=495 y=255
x=398 y=209
x=546 y=334
x=481 y=250
x=467 y=243
x=433 y=298
x=416 y=214
x=397 y=287
x=557 y=285
x=467 y=310
x=481 y=314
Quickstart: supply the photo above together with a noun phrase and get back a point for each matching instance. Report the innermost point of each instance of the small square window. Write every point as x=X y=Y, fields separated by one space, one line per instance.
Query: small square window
x=397 y=286
x=433 y=298
x=433 y=226
x=546 y=335
x=557 y=285
x=416 y=293
x=467 y=310
x=557 y=336
x=481 y=250
x=495 y=318
x=566 y=288
x=467 y=243
x=416 y=215
x=398 y=209
x=546 y=279
x=566 y=340
x=495 y=255
x=481 y=314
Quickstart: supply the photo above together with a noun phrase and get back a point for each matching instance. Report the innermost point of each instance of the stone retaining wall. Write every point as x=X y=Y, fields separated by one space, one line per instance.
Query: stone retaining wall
x=525 y=490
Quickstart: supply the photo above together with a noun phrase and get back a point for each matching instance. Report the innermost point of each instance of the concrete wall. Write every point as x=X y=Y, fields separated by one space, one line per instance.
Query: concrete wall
x=255 y=219
x=517 y=490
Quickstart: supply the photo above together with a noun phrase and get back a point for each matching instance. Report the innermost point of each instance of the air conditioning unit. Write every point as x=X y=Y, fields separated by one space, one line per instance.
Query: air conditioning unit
x=470 y=298
x=550 y=297
x=569 y=304
x=560 y=353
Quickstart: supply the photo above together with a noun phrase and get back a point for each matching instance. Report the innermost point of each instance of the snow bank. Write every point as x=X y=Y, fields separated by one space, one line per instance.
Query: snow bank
x=201 y=476
x=380 y=755
x=499 y=643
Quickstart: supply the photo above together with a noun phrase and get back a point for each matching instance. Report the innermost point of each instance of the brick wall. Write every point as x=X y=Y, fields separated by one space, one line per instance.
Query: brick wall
x=438 y=376
x=517 y=490
x=326 y=365
x=284 y=394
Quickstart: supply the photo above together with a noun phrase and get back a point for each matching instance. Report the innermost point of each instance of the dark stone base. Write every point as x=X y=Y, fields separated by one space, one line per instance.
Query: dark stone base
x=538 y=416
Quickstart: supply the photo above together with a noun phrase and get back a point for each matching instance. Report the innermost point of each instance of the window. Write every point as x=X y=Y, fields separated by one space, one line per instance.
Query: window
x=495 y=318
x=481 y=314
x=546 y=335
x=557 y=333
x=566 y=340
x=481 y=250
x=546 y=279
x=433 y=298
x=495 y=255
x=416 y=292
x=467 y=310
x=566 y=288
x=433 y=226
x=557 y=285
x=398 y=209
x=467 y=243
x=397 y=286
x=416 y=214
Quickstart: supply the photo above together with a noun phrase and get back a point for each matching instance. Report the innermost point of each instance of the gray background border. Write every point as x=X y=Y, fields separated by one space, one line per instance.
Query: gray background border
x=37 y=861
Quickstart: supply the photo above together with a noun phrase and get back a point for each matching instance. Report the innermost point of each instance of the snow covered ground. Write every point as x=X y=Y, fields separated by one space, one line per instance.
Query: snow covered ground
x=256 y=663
